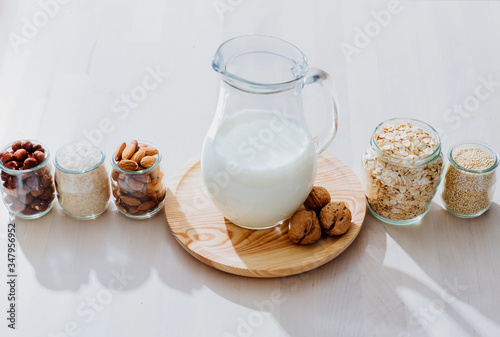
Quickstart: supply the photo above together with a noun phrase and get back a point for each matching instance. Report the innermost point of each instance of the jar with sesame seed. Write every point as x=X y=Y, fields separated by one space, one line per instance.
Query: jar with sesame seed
x=402 y=169
x=470 y=180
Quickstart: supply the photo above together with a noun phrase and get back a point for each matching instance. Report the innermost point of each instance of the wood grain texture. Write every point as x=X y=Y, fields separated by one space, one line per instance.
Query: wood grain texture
x=203 y=232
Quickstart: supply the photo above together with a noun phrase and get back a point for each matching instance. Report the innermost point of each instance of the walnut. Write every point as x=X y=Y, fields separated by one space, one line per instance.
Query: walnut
x=317 y=199
x=335 y=218
x=304 y=228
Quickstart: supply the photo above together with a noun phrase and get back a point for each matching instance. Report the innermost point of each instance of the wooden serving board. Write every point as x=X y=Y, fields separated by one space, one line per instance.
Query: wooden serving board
x=208 y=236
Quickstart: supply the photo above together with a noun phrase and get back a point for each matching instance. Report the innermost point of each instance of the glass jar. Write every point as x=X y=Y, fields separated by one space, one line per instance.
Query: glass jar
x=138 y=194
x=402 y=169
x=28 y=192
x=83 y=192
x=470 y=179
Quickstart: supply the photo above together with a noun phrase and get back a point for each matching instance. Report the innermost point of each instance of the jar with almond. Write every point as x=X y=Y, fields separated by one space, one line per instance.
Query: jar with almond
x=402 y=168
x=137 y=179
x=27 y=183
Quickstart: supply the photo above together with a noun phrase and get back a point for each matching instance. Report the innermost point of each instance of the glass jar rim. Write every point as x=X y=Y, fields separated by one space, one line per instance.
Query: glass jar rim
x=62 y=169
x=42 y=164
x=157 y=162
x=407 y=162
x=472 y=143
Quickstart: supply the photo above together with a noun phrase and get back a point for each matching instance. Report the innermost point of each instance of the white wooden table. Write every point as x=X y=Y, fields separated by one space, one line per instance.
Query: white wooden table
x=78 y=73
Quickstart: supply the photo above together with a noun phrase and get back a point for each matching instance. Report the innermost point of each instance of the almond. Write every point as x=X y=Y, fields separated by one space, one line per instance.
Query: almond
x=148 y=161
x=150 y=151
x=116 y=193
x=138 y=195
x=129 y=150
x=143 y=178
x=118 y=154
x=161 y=194
x=122 y=184
x=127 y=165
x=134 y=184
x=151 y=194
x=130 y=201
x=158 y=185
x=133 y=210
x=147 y=205
x=138 y=156
x=114 y=175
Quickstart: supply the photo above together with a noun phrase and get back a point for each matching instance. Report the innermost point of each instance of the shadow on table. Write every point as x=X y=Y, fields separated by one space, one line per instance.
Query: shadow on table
x=367 y=289
x=120 y=252
x=359 y=291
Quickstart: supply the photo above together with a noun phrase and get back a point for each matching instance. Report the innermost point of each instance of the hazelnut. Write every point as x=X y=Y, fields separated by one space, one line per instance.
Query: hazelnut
x=29 y=163
x=6 y=157
x=17 y=206
x=47 y=193
x=335 y=218
x=304 y=227
x=12 y=182
x=9 y=199
x=29 y=211
x=33 y=181
x=26 y=199
x=39 y=155
x=20 y=154
x=27 y=145
x=13 y=165
x=16 y=145
x=51 y=197
x=23 y=190
x=38 y=147
x=46 y=180
x=317 y=199
x=37 y=191
x=39 y=205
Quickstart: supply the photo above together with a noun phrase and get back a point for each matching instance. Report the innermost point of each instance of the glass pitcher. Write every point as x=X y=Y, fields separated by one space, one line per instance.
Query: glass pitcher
x=259 y=159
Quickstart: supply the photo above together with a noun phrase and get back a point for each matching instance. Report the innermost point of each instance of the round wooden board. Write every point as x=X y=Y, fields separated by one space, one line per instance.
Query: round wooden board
x=208 y=236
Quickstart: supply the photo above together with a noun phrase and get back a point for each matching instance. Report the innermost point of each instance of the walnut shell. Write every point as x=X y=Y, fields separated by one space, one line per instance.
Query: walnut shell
x=317 y=199
x=304 y=228
x=335 y=218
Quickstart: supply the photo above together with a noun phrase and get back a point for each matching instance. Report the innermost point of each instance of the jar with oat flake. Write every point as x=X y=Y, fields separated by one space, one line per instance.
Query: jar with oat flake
x=402 y=169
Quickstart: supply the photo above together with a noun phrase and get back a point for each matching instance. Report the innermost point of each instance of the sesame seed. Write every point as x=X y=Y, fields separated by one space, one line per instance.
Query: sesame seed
x=465 y=192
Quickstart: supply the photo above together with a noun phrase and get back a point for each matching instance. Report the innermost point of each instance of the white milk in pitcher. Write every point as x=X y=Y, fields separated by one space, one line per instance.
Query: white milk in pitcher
x=258 y=168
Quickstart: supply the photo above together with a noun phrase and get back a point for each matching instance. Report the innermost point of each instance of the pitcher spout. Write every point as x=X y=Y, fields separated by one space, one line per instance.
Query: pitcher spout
x=261 y=64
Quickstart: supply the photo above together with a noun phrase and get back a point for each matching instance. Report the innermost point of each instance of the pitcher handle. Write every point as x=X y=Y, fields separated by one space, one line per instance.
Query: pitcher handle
x=329 y=129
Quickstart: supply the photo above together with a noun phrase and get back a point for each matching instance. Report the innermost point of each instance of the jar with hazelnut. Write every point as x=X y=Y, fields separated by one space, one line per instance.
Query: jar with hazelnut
x=27 y=183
